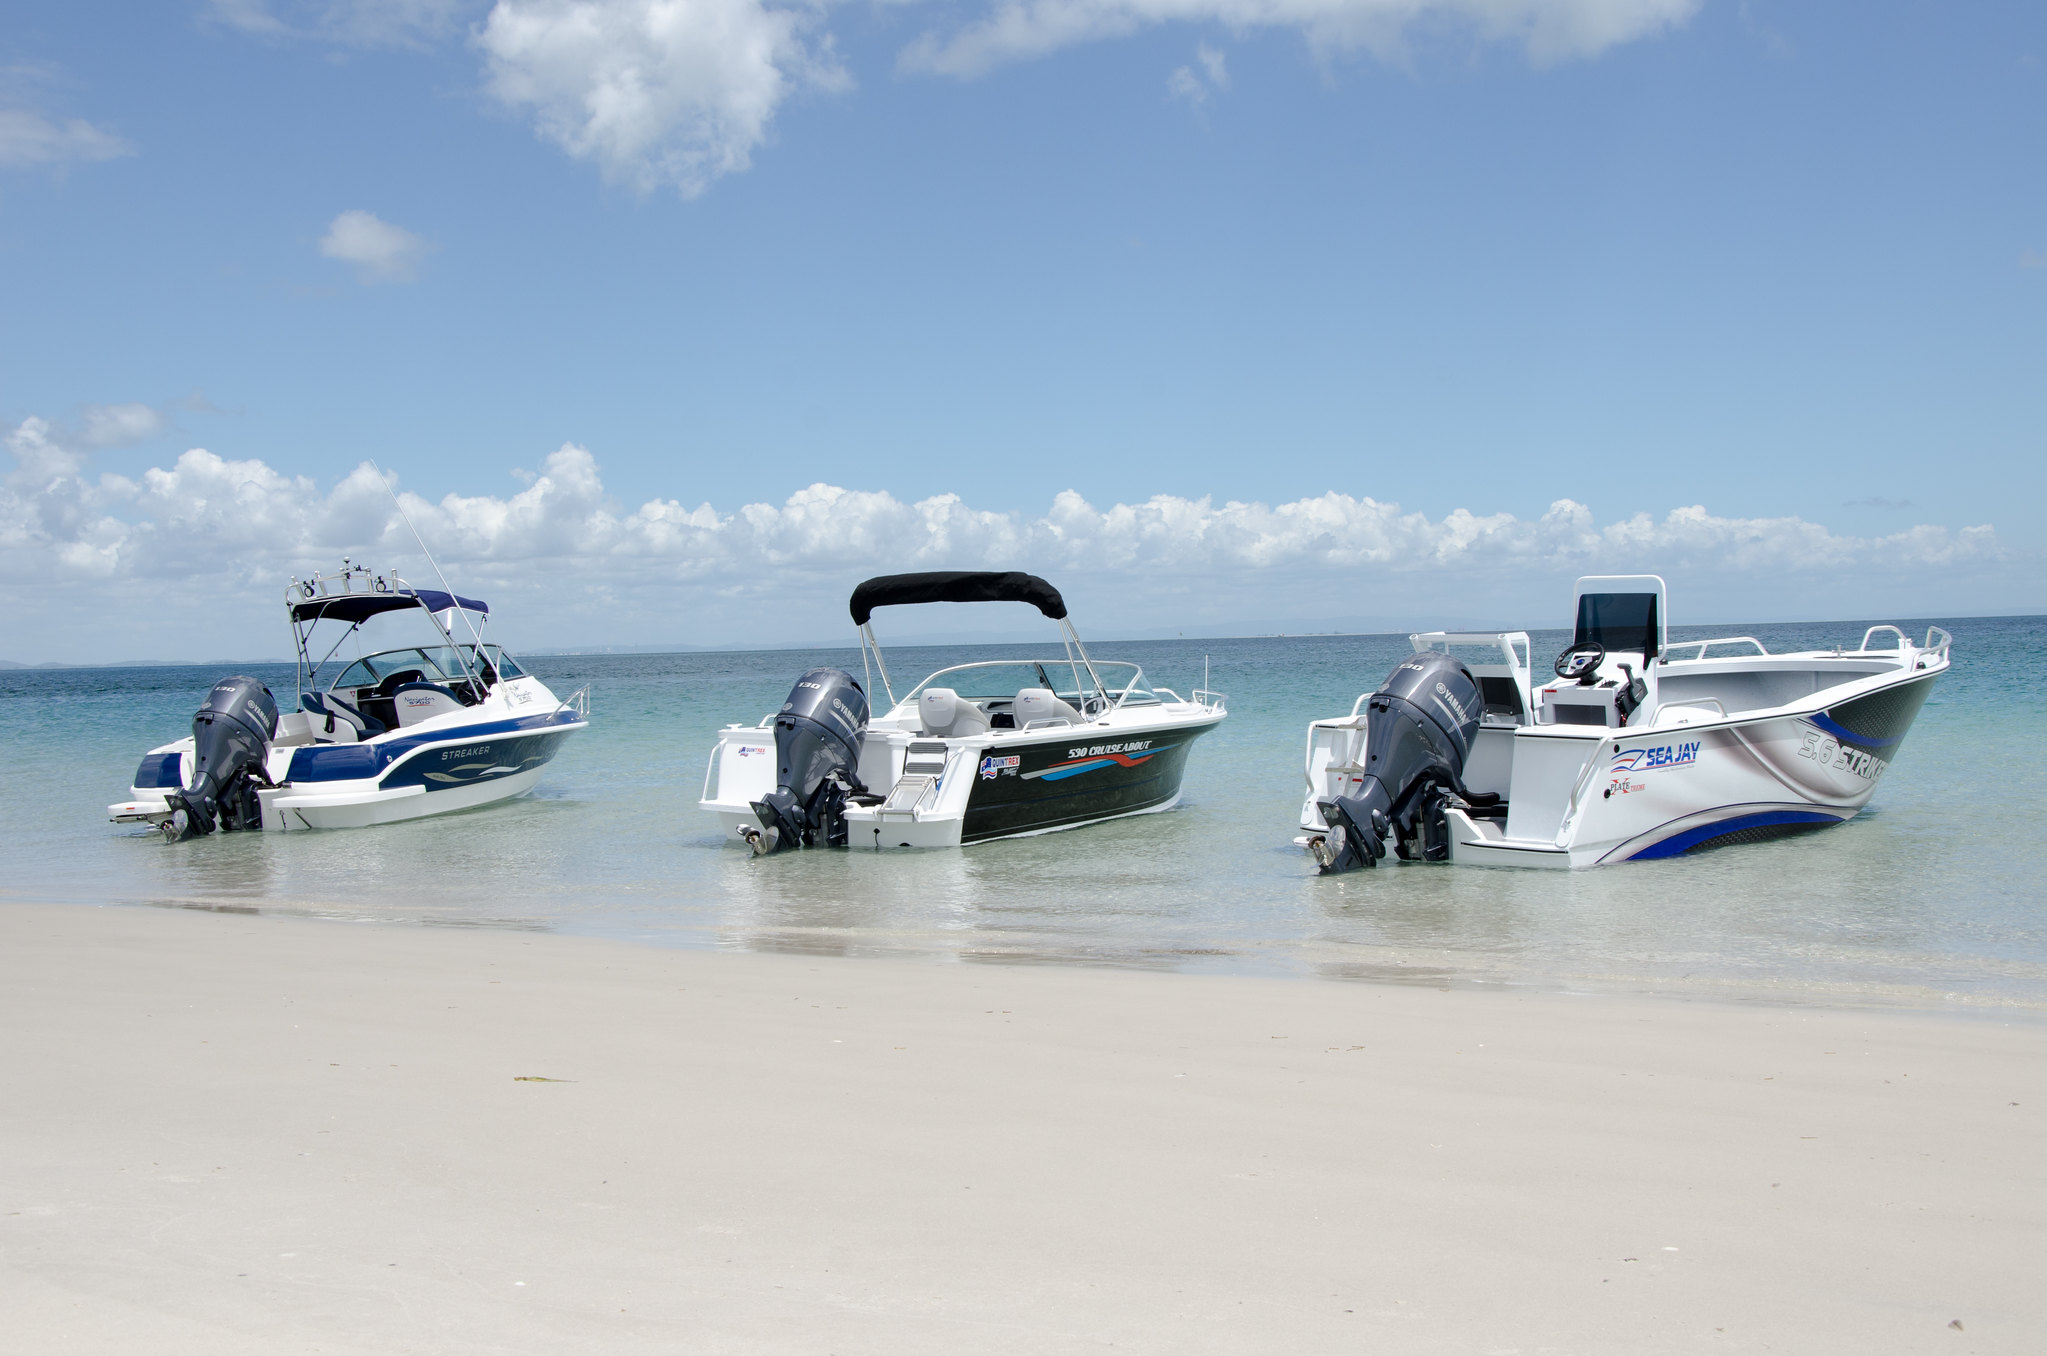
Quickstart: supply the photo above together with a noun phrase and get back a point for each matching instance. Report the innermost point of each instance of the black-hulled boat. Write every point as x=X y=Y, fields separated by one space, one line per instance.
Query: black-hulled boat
x=995 y=749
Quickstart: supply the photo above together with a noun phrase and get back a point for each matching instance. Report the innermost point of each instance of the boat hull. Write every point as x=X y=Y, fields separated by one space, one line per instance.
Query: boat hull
x=1745 y=782
x=989 y=788
x=1590 y=797
x=407 y=776
x=1073 y=782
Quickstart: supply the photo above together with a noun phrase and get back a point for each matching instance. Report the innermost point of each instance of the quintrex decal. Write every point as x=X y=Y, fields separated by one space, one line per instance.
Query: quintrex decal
x=751 y=750
x=991 y=768
x=1660 y=756
x=1095 y=757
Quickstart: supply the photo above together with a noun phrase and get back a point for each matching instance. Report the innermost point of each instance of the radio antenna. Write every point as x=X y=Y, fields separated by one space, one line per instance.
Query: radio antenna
x=446 y=588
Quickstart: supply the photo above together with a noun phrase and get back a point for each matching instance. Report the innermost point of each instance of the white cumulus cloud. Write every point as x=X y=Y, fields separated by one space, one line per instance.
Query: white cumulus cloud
x=28 y=139
x=1548 y=30
x=580 y=567
x=678 y=93
x=121 y=425
x=380 y=251
x=656 y=92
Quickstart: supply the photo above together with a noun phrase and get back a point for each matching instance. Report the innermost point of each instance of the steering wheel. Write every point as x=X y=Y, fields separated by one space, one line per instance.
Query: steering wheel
x=1581 y=662
x=392 y=683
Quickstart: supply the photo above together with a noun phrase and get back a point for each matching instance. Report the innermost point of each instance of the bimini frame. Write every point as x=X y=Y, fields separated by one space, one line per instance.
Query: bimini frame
x=965 y=586
x=355 y=594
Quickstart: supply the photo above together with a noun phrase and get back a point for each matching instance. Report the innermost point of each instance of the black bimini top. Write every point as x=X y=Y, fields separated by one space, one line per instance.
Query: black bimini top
x=360 y=607
x=957 y=586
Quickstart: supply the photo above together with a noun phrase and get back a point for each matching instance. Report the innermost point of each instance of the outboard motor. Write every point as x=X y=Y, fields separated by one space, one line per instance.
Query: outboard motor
x=817 y=759
x=230 y=736
x=1418 y=731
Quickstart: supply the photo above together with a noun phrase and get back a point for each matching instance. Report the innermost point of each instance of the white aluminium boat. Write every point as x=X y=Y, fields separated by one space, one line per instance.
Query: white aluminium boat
x=396 y=734
x=997 y=749
x=1636 y=749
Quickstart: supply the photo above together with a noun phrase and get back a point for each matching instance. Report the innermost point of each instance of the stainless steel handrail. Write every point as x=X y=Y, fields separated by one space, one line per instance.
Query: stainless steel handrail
x=1595 y=762
x=1136 y=678
x=717 y=757
x=1704 y=645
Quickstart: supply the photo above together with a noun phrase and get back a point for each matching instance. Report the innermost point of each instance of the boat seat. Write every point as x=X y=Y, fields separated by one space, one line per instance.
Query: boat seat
x=1040 y=704
x=339 y=721
x=947 y=715
x=415 y=702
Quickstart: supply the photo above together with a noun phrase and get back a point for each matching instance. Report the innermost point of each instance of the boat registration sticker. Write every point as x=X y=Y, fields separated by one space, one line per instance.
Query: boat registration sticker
x=991 y=768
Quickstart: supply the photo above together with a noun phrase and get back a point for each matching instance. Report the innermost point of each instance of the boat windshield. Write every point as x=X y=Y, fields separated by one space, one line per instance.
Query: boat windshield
x=1619 y=621
x=999 y=680
x=433 y=663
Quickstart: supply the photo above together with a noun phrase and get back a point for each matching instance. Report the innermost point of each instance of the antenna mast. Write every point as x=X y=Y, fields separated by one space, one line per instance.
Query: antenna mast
x=446 y=588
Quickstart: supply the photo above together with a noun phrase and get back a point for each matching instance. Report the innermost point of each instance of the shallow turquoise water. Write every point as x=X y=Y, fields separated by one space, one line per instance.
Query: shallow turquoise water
x=1932 y=895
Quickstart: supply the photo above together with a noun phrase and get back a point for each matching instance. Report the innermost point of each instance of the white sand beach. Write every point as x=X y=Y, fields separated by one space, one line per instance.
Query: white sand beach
x=229 y=1134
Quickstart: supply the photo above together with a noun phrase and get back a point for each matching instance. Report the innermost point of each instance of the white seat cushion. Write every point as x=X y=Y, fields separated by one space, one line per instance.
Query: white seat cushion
x=948 y=715
x=1039 y=703
x=417 y=702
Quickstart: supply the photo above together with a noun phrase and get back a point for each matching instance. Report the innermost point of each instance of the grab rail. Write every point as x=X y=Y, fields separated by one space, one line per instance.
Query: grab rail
x=577 y=701
x=1718 y=705
x=1864 y=647
x=717 y=757
x=1939 y=650
x=1704 y=645
x=1595 y=761
x=1208 y=697
x=1308 y=756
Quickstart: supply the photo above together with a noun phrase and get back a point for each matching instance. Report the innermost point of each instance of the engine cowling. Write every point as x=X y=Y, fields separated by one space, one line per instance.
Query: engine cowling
x=1419 y=727
x=231 y=737
x=818 y=734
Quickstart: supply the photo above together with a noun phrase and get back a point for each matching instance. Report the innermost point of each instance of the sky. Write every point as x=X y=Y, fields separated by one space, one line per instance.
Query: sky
x=671 y=320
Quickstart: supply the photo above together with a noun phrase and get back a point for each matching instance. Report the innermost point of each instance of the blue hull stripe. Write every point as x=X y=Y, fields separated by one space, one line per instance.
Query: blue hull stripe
x=360 y=762
x=1840 y=731
x=1705 y=833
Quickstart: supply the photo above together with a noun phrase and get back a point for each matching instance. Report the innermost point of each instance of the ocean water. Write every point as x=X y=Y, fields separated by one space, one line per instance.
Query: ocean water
x=1932 y=896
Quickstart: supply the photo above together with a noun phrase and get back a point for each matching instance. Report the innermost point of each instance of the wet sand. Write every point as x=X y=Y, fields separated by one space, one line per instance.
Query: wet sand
x=229 y=1134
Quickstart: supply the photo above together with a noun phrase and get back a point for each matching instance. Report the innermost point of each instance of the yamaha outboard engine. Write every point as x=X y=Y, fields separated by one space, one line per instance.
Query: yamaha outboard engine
x=1418 y=731
x=817 y=761
x=230 y=736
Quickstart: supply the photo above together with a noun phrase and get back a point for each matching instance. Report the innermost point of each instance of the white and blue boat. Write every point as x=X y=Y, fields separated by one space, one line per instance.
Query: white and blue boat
x=395 y=733
x=1637 y=748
